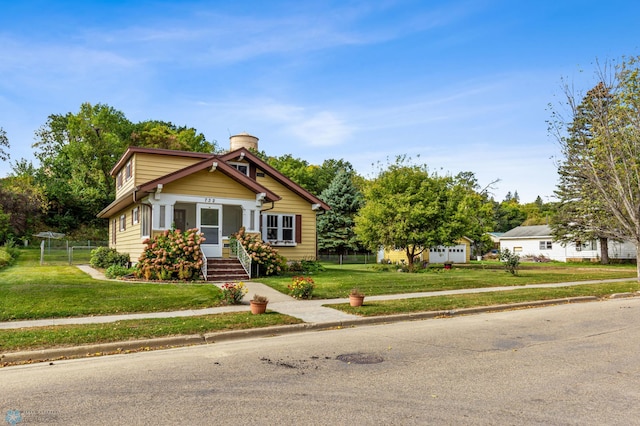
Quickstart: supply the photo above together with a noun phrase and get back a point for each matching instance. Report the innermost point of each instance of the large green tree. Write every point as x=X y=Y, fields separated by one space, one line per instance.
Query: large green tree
x=23 y=205
x=581 y=217
x=78 y=150
x=314 y=178
x=160 y=134
x=76 y=153
x=335 y=227
x=601 y=147
x=407 y=207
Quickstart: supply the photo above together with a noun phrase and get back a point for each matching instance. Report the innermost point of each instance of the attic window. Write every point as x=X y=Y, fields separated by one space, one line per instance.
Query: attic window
x=241 y=167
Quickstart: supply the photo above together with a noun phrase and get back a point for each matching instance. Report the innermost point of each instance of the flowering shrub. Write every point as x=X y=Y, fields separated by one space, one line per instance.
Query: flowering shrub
x=268 y=259
x=171 y=255
x=302 y=287
x=232 y=293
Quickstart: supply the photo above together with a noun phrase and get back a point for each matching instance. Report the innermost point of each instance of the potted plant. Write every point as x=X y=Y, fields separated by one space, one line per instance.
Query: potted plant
x=356 y=297
x=258 y=304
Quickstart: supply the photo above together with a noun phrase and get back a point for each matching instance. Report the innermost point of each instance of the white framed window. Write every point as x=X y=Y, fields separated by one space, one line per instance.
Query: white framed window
x=280 y=229
x=119 y=179
x=546 y=245
x=123 y=222
x=145 y=221
x=114 y=227
x=135 y=216
x=241 y=167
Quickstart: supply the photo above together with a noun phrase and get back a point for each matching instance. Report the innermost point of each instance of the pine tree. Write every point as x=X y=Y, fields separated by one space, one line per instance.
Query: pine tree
x=335 y=227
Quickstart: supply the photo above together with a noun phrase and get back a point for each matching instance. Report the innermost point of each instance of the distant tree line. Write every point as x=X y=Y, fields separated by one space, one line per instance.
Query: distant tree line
x=76 y=152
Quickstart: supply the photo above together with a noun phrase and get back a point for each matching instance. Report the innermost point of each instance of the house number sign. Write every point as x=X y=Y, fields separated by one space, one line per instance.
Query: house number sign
x=209 y=200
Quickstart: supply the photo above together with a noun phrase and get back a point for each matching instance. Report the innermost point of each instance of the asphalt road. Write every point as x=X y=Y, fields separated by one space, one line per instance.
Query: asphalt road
x=572 y=364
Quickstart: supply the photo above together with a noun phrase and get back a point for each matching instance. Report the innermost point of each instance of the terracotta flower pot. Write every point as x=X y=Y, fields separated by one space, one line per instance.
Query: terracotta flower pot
x=355 y=300
x=258 y=307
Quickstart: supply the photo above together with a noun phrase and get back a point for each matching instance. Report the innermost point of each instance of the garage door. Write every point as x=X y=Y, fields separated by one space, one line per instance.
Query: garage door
x=455 y=254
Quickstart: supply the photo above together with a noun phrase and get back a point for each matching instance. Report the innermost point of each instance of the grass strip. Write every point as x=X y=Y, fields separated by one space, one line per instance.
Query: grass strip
x=459 y=301
x=337 y=281
x=72 y=335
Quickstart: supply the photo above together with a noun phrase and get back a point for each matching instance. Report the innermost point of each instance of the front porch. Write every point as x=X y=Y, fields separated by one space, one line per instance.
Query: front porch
x=218 y=220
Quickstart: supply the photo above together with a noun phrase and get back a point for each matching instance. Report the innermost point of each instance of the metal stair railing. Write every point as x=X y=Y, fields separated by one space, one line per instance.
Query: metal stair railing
x=204 y=265
x=238 y=251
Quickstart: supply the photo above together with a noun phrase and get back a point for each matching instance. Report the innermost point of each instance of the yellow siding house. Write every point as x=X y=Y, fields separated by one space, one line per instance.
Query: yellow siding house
x=160 y=189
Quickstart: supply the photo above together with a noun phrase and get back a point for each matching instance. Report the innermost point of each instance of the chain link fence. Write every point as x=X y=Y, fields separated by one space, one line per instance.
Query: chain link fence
x=58 y=252
x=343 y=259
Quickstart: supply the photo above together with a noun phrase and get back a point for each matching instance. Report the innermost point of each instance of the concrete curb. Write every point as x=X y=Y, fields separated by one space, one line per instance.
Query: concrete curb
x=49 y=355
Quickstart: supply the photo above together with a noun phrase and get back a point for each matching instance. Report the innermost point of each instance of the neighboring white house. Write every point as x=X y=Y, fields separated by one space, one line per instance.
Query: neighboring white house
x=529 y=241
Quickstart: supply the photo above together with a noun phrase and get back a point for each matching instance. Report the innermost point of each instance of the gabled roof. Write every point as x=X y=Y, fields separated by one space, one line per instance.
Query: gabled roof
x=158 y=151
x=535 y=231
x=207 y=162
x=276 y=175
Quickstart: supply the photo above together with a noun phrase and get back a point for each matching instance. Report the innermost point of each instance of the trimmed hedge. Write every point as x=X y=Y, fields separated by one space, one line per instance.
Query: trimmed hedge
x=103 y=257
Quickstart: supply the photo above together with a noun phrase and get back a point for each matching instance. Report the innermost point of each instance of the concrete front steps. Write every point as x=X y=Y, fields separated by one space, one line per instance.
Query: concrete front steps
x=225 y=270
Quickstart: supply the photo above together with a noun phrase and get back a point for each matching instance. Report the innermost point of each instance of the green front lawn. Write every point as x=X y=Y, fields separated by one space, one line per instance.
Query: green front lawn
x=30 y=291
x=338 y=280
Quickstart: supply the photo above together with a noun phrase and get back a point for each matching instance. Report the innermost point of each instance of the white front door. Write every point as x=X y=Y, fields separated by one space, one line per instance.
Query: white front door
x=210 y=224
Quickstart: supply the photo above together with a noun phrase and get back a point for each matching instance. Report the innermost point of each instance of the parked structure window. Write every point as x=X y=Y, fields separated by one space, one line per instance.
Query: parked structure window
x=546 y=245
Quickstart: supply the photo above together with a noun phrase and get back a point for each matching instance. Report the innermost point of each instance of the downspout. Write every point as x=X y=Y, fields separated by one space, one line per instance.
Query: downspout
x=273 y=205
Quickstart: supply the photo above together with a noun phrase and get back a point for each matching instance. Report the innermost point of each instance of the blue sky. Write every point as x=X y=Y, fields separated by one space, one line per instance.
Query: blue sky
x=456 y=85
